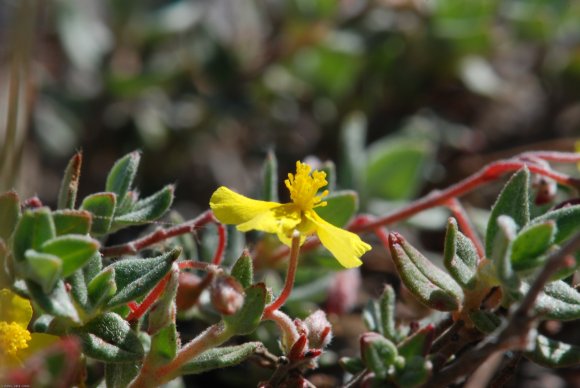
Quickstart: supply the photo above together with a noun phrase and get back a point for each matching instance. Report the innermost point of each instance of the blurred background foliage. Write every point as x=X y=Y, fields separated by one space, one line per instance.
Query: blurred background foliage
x=206 y=88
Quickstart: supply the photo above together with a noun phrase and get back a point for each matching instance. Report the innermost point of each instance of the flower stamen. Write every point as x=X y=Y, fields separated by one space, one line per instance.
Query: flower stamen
x=13 y=338
x=304 y=186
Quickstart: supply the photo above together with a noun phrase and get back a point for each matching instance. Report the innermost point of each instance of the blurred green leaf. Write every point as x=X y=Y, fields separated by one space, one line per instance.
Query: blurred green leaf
x=395 y=167
x=9 y=213
x=558 y=301
x=102 y=206
x=416 y=373
x=378 y=354
x=353 y=133
x=513 y=201
x=120 y=374
x=109 y=338
x=501 y=253
x=418 y=344
x=341 y=207
x=136 y=277
x=56 y=302
x=80 y=279
x=460 y=257
x=352 y=365
x=270 y=178
x=485 y=321
x=43 y=268
x=566 y=220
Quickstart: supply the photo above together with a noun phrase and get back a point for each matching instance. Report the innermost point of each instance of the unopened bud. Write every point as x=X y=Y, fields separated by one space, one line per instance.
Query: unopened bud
x=227 y=295
x=188 y=291
x=319 y=330
x=545 y=189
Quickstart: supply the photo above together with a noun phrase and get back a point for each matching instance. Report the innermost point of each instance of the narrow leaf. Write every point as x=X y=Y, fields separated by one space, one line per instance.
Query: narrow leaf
x=243 y=270
x=74 y=251
x=136 y=277
x=416 y=373
x=9 y=213
x=460 y=256
x=270 y=178
x=56 y=303
x=102 y=287
x=352 y=144
x=67 y=193
x=531 y=244
x=378 y=354
x=501 y=253
x=223 y=357
x=513 y=201
x=387 y=303
x=163 y=346
x=80 y=279
x=122 y=174
x=162 y=313
x=247 y=319
x=485 y=321
x=417 y=344
x=102 y=206
x=148 y=209
x=120 y=374
x=72 y=222
x=109 y=338
x=429 y=284
x=566 y=220
x=558 y=301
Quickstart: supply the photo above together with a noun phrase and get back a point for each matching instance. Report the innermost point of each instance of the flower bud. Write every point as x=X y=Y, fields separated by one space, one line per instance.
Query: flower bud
x=227 y=295
x=319 y=330
x=188 y=291
x=343 y=292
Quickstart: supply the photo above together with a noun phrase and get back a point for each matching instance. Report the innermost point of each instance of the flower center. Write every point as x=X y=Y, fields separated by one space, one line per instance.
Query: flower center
x=13 y=338
x=303 y=187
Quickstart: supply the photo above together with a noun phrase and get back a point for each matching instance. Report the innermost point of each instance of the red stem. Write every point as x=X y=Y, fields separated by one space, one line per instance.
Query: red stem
x=219 y=253
x=290 y=275
x=158 y=236
x=465 y=224
x=149 y=299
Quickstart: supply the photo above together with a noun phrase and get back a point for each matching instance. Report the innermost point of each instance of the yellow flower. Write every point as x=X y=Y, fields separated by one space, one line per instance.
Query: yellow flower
x=16 y=342
x=282 y=219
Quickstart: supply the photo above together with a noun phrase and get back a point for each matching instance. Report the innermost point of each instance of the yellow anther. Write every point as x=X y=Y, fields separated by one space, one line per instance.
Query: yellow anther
x=13 y=338
x=304 y=186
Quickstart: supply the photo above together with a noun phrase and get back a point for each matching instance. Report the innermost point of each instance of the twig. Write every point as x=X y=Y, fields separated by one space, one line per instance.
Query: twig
x=507 y=372
x=290 y=275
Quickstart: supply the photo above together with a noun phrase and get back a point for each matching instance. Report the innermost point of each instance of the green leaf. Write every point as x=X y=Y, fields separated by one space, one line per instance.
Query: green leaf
x=566 y=220
x=353 y=135
x=74 y=251
x=67 y=193
x=395 y=167
x=417 y=344
x=57 y=302
x=243 y=270
x=80 y=279
x=109 y=338
x=43 y=268
x=136 y=277
x=9 y=213
x=329 y=169
x=558 y=301
x=513 y=201
x=352 y=365
x=270 y=178
x=163 y=346
x=387 y=304
x=553 y=354
x=120 y=374
x=5 y=272
x=531 y=244
x=429 y=284
x=148 y=209
x=378 y=354
x=34 y=229
x=122 y=174
x=501 y=253
x=102 y=206
x=485 y=321
x=341 y=207
x=460 y=256
x=247 y=319
x=72 y=222
x=102 y=287
x=218 y=358
x=416 y=373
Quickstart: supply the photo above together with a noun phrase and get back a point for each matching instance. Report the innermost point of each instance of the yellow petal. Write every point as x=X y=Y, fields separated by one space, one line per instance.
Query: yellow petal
x=347 y=247
x=230 y=207
x=13 y=308
x=38 y=342
x=281 y=220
